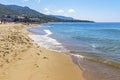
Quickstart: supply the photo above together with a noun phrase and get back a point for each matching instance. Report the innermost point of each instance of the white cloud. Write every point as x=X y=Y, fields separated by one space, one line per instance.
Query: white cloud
x=71 y=11
x=60 y=11
x=56 y=12
x=47 y=11
x=38 y=1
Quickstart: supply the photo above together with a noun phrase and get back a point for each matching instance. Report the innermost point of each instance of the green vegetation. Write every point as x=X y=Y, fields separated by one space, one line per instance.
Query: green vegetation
x=5 y=10
x=31 y=15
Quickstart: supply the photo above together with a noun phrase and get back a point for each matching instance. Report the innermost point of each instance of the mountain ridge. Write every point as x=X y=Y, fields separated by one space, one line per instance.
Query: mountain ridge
x=31 y=13
x=63 y=17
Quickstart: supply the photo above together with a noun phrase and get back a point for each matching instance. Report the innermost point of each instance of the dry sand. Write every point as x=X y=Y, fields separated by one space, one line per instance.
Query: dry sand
x=22 y=59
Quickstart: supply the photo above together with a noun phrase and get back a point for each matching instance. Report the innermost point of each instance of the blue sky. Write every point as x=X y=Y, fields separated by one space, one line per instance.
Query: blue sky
x=97 y=10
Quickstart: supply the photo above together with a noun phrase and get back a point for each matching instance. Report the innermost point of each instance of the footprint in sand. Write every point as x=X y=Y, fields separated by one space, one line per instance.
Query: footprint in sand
x=38 y=54
x=45 y=57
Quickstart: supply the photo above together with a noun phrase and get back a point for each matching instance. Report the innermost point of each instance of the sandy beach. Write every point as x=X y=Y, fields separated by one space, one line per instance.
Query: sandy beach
x=22 y=59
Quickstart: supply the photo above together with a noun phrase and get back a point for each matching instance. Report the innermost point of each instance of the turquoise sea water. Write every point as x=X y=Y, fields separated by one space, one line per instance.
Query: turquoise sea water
x=102 y=39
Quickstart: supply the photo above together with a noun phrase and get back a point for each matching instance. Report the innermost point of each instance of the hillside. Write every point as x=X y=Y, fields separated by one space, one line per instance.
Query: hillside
x=6 y=10
x=26 y=11
x=62 y=17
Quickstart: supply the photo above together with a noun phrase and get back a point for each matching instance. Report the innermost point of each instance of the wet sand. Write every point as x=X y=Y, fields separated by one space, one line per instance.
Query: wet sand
x=22 y=59
x=95 y=70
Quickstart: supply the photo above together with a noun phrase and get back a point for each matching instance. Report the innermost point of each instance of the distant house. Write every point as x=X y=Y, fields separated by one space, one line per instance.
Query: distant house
x=1 y=16
x=20 y=18
x=6 y=18
x=35 y=19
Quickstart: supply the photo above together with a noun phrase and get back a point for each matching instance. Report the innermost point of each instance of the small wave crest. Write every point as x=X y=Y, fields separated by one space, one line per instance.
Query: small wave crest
x=48 y=32
x=107 y=62
x=98 y=60
x=93 y=45
x=78 y=56
x=48 y=42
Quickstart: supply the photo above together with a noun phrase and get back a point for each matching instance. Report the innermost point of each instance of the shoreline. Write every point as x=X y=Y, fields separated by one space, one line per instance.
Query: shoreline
x=31 y=62
x=62 y=49
x=101 y=69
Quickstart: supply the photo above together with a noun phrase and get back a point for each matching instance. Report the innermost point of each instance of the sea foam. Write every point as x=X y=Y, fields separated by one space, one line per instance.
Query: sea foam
x=48 y=42
x=48 y=32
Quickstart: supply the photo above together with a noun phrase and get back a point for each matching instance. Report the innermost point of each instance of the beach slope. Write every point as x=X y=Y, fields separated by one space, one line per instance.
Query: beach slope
x=22 y=59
